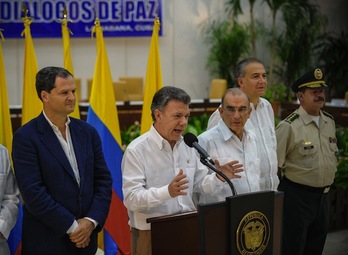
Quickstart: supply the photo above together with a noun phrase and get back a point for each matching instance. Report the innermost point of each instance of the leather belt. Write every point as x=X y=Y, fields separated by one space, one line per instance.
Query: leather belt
x=307 y=188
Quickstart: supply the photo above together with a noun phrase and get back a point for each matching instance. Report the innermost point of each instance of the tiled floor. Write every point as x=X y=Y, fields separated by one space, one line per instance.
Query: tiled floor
x=336 y=243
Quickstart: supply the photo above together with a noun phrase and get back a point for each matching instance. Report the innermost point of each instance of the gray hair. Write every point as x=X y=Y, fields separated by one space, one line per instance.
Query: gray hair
x=240 y=69
x=234 y=92
x=166 y=94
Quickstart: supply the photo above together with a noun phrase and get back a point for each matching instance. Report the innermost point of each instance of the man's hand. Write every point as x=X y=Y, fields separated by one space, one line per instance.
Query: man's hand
x=81 y=235
x=178 y=184
x=230 y=169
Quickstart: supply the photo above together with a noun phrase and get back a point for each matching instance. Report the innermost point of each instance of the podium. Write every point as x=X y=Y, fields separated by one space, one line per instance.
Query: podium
x=243 y=224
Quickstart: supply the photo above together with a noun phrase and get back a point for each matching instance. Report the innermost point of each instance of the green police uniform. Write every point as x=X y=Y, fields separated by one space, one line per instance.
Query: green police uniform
x=306 y=148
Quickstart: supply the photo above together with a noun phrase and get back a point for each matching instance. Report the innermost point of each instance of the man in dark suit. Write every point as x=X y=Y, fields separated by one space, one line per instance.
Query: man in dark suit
x=61 y=173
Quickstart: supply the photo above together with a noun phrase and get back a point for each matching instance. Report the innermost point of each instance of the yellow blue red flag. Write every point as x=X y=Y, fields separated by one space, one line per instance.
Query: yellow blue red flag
x=102 y=114
x=68 y=65
x=5 y=119
x=31 y=106
x=15 y=239
x=153 y=80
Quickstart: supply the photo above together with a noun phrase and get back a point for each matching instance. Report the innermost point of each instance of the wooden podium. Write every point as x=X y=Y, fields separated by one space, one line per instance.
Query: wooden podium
x=231 y=227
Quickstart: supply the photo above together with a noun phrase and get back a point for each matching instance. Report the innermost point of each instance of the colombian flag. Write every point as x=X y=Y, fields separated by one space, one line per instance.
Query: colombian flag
x=102 y=114
x=153 y=80
x=32 y=106
x=15 y=238
x=67 y=58
x=5 y=119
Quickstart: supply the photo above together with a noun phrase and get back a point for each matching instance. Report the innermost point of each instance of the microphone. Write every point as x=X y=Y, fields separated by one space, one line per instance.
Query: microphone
x=192 y=141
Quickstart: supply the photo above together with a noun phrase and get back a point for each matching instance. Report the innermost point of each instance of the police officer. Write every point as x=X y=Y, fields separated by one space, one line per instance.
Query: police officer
x=306 y=147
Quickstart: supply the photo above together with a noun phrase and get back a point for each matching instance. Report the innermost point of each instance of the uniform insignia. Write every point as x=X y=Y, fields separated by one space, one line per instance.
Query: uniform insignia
x=292 y=117
x=328 y=114
x=318 y=74
x=308 y=145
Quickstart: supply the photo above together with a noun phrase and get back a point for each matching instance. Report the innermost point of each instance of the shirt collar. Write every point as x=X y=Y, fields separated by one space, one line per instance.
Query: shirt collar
x=260 y=104
x=228 y=134
x=51 y=123
x=159 y=140
x=305 y=116
x=225 y=131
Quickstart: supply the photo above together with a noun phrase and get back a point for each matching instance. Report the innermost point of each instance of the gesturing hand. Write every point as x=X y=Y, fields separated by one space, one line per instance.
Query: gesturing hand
x=230 y=169
x=178 y=185
x=81 y=235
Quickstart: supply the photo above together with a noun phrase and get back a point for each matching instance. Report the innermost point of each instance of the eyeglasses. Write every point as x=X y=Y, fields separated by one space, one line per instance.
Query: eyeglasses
x=240 y=110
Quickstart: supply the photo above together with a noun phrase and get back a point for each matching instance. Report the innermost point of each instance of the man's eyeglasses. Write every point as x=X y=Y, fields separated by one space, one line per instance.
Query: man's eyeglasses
x=240 y=110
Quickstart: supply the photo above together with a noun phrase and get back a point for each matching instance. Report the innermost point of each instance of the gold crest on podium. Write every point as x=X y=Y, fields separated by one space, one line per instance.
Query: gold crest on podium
x=253 y=234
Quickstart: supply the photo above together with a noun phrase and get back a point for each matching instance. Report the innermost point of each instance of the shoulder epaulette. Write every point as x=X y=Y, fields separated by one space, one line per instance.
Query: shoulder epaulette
x=292 y=117
x=328 y=114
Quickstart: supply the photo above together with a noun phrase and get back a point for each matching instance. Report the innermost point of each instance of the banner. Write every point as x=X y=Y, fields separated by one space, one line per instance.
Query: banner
x=119 y=18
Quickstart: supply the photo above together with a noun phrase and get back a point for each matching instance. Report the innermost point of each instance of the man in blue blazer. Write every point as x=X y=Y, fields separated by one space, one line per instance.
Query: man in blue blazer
x=61 y=173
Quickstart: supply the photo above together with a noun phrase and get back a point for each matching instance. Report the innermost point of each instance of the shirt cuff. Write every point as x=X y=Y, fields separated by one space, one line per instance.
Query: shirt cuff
x=73 y=227
x=93 y=221
x=163 y=193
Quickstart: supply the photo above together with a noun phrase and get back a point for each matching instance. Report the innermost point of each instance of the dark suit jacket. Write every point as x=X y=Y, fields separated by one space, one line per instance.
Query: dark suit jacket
x=51 y=194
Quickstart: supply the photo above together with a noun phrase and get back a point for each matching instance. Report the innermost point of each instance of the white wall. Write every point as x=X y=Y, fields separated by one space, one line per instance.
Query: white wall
x=183 y=52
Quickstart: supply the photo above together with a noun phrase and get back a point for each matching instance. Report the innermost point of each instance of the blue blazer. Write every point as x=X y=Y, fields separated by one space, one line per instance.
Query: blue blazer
x=51 y=194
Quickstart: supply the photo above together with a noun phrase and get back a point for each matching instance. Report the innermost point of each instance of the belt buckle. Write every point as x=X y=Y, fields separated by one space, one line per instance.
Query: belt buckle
x=326 y=190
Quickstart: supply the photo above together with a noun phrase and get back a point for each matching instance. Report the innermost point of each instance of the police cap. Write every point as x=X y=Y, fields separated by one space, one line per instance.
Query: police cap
x=311 y=79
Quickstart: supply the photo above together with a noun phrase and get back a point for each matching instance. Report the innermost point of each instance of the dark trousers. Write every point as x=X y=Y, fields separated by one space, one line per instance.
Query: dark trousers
x=305 y=220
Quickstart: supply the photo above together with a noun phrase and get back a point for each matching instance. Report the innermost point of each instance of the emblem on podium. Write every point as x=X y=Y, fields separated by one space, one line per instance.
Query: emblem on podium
x=253 y=233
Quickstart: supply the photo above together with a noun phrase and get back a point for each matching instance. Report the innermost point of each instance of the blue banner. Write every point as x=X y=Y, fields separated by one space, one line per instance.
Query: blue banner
x=118 y=18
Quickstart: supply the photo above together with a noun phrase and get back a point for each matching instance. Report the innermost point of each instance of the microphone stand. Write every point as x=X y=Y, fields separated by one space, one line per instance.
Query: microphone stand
x=206 y=162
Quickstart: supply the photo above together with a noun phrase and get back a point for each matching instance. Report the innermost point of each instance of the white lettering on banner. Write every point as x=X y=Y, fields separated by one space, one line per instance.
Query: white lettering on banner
x=139 y=11
x=143 y=27
x=48 y=11
x=111 y=28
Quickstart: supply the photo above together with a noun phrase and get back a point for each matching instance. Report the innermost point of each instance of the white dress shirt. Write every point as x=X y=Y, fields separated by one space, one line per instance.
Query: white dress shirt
x=223 y=145
x=261 y=121
x=262 y=118
x=149 y=164
x=67 y=146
